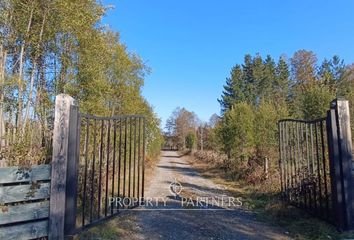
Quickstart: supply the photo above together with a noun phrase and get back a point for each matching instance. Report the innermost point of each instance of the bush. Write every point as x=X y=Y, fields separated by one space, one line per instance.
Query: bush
x=236 y=131
x=211 y=157
x=315 y=102
x=190 y=140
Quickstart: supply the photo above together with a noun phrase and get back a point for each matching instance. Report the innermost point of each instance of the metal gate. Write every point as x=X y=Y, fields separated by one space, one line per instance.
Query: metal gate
x=316 y=165
x=95 y=160
x=305 y=167
x=111 y=166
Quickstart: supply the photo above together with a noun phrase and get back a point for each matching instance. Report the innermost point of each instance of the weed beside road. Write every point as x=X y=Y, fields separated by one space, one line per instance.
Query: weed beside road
x=266 y=202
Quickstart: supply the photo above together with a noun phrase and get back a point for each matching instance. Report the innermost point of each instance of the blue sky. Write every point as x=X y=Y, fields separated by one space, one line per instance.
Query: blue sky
x=192 y=45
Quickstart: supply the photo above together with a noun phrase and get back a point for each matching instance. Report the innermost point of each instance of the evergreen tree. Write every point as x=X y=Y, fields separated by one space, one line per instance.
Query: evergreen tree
x=281 y=82
x=257 y=79
x=266 y=86
x=233 y=90
x=249 y=81
x=331 y=72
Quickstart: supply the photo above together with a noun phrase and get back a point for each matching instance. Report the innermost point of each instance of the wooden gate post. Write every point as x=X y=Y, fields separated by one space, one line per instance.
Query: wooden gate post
x=340 y=153
x=72 y=172
x=61 y=160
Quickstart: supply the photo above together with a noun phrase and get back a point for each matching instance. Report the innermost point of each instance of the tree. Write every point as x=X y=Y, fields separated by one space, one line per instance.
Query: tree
x=233 y=90
x=52 y=47
x=281 y=82
x=331 y=72
x=312 y=90
x=266 y=127
x=266 y=84
x=190 y=140
x=236 y=131
x=315 y=102
x=180 y=123
x=214 y=120
x=303 y=67
x=250 y=84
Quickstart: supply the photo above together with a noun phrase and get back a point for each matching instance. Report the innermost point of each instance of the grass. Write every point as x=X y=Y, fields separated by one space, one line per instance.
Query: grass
x=270 y=208
x=120 y=227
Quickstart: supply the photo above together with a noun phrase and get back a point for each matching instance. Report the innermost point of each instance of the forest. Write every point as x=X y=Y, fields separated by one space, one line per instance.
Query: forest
x=257 y=94
x=53 y=47
x=64 y=163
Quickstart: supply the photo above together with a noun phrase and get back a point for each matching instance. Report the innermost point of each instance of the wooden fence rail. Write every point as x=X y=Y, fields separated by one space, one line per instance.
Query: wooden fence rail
x=37 y=202
x=42 y=200
x=24 y=202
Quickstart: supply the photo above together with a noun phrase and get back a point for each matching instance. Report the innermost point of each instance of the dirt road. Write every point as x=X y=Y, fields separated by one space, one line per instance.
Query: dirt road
x=174 y=219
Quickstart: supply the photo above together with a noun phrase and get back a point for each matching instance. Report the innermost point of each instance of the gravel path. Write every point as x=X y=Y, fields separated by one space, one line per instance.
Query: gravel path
x=178 y=221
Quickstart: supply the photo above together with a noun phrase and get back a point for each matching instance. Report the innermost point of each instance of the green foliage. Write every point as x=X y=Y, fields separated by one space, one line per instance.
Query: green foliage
x=266 y=128
x=311 y=91
x=260 y=92
x=315 y=102
x=190 y=140
x=266 y=86
x=233 y=90
x=303 y=68
x=179 y=125
x=256 y=80
x=281 y=82
x=236 y=131
x=61 y=47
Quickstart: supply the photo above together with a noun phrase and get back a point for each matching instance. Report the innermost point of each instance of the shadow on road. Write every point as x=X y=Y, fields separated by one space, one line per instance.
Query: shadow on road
x=181 y=170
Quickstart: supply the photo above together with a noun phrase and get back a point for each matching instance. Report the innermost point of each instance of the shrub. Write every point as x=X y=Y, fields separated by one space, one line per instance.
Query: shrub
x=190 y=140
x=236 y=131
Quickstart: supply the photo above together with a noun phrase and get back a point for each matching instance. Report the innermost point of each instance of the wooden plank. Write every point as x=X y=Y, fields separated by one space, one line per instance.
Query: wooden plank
x=22 y=174
x=30 y=230
x=35 y=191
x=63 y=104
x=24 y=212
x=72 y=172
x=335 y=172
x=345 y=142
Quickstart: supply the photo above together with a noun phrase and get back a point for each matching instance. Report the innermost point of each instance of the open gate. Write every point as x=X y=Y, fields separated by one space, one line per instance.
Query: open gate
x=97 y=167
x=316 y=165
x=97 y=171
x=111 y=166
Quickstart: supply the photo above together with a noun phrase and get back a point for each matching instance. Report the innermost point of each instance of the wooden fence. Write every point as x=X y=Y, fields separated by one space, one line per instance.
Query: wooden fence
x=24 y=202
x=42 y=200
x=38 y=201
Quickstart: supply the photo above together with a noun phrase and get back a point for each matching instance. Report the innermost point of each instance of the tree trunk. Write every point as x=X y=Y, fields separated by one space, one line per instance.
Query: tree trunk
x=20 y=74
x=34 y=68
x=3 y=57
x=29 y=100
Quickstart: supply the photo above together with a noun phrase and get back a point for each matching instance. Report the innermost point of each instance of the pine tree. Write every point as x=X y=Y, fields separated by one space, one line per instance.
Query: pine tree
x=281 y=81
x=269 y=74
x=257 y=78
x=233 y=90
x=250 y=90
x=331 y=72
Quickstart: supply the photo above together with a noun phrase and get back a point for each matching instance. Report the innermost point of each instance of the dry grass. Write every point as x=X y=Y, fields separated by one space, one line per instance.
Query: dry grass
x=121 y=227
x=264 y=199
